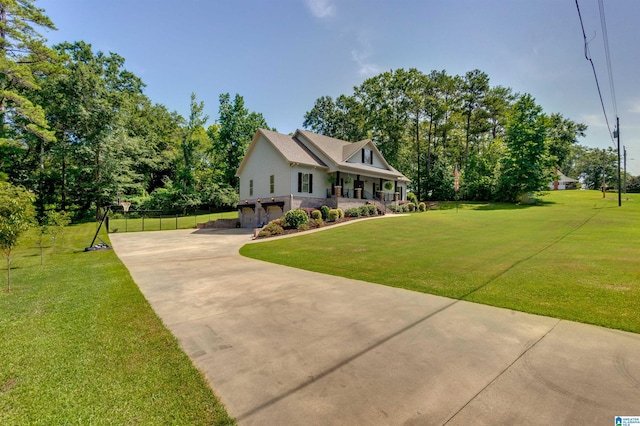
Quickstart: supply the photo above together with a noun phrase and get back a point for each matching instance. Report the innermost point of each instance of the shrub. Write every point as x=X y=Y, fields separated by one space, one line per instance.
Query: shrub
x=295 y=218
x=316 y=223
x=373 y=210
x=392 y=207
x=325 y=212
x=422 y=207
x=273 y=228
x=352 y=212
x=316 y=214
x=333 y=215
x=340 y=213
x=412 y=197
x=411 y=207
x=404 y=208
x=280 y=222
x=363 y=210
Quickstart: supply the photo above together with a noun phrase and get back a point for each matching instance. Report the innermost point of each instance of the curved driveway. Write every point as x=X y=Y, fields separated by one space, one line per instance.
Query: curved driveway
x=282 y=346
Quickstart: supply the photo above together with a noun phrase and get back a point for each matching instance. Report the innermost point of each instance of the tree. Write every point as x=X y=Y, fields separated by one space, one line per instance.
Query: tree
x=232 y=138
x=23 y=56
x=596 y=167
x=525 y=166
x=562 y=133
x=17 y=215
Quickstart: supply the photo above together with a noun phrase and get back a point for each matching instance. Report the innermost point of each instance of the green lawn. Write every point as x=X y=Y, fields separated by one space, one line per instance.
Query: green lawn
x=576 y=256
x=80 y=345
x=121 y=223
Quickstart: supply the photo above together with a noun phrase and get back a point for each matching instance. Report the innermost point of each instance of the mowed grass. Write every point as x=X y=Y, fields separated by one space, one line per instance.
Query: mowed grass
x=165 y=223
x=576 y=256
x=80 y=345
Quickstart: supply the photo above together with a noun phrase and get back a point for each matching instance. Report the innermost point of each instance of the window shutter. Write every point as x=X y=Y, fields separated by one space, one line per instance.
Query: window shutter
x=310 y=183
x=362 y=156
x=299 y=182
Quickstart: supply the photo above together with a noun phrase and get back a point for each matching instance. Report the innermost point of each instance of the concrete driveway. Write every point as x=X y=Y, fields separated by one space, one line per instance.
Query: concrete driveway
x=282 y=346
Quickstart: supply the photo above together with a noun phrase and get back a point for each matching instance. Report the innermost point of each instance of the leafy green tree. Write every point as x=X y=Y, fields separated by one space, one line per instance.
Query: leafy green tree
x=23 y=57
x=56 y=221
x=86 y=106
x=596 y=167
x=232 y=138
x=563 y=133
x=343 y=119
x=525 y=166
x=17 y=215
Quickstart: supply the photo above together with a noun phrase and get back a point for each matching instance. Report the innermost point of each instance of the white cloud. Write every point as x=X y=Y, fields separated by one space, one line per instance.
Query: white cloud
x=635 y=106
x=362 y=54
x=365 y=68
x=321 y=8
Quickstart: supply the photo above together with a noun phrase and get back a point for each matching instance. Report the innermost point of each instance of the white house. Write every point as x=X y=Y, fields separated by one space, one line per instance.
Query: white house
x=563 y=182
x=307 y=170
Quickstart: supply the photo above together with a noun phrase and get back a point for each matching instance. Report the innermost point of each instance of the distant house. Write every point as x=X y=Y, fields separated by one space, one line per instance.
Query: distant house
x=563 y=182
x=307 y=170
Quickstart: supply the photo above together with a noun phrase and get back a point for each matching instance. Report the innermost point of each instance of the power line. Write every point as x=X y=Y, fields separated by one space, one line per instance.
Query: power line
x=595 y=75
x=605 y=38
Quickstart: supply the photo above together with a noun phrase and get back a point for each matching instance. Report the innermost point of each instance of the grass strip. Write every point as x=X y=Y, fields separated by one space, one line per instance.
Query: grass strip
x=576 y=256
x=81 y=345
x=122 y=223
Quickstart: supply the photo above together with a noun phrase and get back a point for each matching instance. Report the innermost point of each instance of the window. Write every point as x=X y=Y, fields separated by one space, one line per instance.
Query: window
x=367 y=156
x=305 y=182
x=272 y=184
x=251 y=188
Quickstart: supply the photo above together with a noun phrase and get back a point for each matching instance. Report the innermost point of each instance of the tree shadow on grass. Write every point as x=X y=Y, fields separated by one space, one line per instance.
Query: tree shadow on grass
x=486 y=206
x=510 y=206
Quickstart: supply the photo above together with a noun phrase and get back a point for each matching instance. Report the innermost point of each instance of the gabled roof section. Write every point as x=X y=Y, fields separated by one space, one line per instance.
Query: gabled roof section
x=316 y=150
x=349 y=150
x=291 y=149
x=340 y=151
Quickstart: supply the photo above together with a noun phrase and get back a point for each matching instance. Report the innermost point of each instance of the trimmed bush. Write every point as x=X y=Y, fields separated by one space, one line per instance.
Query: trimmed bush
x=333 y=215
x=325 y=212
x=340 y=213
x=373 y=210
x=392 y=207
x=411 y=207
x=295 y=218
x=316 y=214
x=363 y=210
x=404 y=208
x=272 y=228
x=279 y=221
x=316 y=223
x=422 y=207
x=412 y=197
x=352 y=212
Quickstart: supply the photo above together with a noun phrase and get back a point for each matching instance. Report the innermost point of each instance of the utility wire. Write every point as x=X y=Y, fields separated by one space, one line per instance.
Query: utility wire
x=605 y=37
x=595 y=75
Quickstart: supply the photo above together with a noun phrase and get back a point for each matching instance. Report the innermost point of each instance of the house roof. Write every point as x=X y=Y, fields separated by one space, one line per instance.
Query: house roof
x=336 y=153
x=561 y=177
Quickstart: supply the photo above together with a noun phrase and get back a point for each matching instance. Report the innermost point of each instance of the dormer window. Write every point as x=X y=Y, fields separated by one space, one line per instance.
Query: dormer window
x=367 y=156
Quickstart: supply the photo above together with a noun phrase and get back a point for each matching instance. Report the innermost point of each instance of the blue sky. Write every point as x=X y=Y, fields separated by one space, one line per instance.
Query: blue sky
x=281 y=55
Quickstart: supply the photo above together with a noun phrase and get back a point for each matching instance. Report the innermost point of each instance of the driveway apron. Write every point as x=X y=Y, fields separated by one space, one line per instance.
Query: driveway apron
x=282 y=346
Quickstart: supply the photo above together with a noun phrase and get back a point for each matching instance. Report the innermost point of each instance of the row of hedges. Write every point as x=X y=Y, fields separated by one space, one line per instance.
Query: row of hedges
x=407 y=207
x=303 y=219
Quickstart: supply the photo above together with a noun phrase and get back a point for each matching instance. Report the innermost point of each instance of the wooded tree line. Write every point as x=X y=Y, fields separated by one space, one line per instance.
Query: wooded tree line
x=425 y=125
x=77 y=130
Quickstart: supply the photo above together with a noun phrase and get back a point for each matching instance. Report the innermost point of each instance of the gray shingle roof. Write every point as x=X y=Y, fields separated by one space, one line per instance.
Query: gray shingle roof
x=335 y=152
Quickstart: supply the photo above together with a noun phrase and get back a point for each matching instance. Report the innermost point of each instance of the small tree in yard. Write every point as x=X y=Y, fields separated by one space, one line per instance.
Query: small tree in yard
x=56 y=221
x=17 y=215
